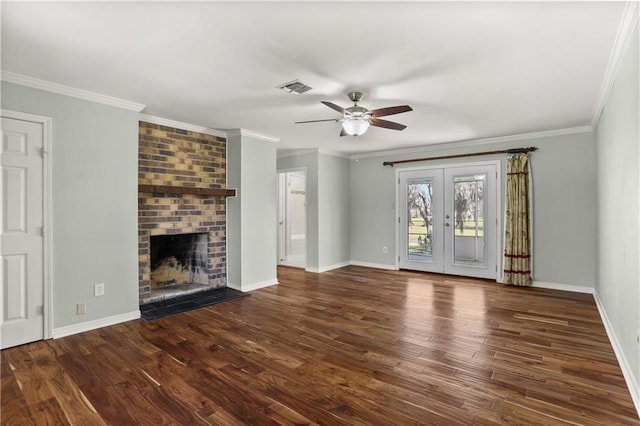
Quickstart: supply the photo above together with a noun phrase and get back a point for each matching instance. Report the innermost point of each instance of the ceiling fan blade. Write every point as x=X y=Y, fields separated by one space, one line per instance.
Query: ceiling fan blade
x=387 y=124
x=315 y=121
x=334 y=106
x=381 y=112
x=343 y=133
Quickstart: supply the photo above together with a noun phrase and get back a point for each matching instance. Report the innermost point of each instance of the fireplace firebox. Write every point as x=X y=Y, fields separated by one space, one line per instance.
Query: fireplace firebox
x=178 y=259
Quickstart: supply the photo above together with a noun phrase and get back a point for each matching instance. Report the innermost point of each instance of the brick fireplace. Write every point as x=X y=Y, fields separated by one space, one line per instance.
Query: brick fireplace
x=181 y=191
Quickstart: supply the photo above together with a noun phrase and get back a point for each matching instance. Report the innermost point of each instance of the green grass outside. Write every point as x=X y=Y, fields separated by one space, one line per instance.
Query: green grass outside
x=416 y=228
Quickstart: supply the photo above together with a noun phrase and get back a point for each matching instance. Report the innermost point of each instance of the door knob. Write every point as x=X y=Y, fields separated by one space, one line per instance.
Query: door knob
x=446 y=224
x=447 y=216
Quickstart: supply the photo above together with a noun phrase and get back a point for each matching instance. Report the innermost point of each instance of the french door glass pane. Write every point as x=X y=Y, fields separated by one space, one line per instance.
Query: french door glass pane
x=469 y=213
x=420 y=218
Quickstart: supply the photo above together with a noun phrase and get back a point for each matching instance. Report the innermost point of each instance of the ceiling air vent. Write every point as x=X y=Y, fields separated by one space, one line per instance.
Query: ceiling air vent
x=295 y=87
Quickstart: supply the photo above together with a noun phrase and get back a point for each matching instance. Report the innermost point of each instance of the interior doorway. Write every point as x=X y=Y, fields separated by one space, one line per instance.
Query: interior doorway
x=292 y=218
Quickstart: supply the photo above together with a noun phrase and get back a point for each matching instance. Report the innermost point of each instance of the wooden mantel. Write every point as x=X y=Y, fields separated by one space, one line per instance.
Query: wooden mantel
x=163 y=189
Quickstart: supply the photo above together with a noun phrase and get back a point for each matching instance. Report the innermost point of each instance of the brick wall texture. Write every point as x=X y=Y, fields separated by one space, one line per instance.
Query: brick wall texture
x=173 y=157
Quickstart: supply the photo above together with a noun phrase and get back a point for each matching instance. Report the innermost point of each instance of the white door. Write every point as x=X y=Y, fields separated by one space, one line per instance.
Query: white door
x=21 y=237
x=421 y=230
x=292 y=218
x=448 y=221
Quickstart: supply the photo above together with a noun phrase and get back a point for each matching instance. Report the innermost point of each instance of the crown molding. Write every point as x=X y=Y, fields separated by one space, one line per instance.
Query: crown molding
x=23 y=80
x=252 y=134
x=474 y=142
x=289 y=152
x=333 y=153
x=628 y=24
x=180 y=125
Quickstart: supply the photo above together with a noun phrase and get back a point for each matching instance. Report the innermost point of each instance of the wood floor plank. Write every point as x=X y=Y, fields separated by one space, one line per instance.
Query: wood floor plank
x=347 y=347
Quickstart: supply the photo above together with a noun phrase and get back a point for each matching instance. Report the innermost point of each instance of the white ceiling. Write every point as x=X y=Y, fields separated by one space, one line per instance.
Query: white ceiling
x=470 y=70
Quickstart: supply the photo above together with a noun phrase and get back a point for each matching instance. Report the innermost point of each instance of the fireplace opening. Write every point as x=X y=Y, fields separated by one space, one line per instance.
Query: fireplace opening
x=179 y=259
x=178 y=265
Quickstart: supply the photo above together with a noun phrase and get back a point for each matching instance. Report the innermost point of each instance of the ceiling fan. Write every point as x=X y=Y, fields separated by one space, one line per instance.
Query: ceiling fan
x=356 y=119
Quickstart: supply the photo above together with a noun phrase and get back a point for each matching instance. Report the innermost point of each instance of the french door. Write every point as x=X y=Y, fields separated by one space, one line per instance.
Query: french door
x=448 y=220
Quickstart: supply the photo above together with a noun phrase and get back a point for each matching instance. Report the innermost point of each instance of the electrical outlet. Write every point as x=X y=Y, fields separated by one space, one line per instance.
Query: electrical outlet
x=81 y=308
x=384 y=250
x=98 y=289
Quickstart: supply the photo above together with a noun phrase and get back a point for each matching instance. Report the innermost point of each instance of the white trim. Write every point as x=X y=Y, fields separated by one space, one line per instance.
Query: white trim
x=564 y=287
x=61 y=89
x=47 y=138
x=473 y=142
x=627 y=371
x=180 y=125
x=334 y=153
x=374 y=265
x=93 y=324
x=628 y=23
x=253 y=286
x=252 y=134
x=287 y=152
x=328 y=267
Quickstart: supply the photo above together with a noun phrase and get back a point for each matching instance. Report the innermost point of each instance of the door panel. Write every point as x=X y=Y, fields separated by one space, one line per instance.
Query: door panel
x=448 y=220
x=21 y=233
x=420 y=234
x=470 y=221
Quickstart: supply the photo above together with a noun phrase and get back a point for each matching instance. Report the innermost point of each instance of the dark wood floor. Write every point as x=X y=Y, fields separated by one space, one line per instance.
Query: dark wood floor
x=351 y=346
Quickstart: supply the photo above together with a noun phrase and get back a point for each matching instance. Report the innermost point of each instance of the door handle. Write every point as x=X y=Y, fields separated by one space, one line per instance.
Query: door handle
x=447 y=216
x=446 y=224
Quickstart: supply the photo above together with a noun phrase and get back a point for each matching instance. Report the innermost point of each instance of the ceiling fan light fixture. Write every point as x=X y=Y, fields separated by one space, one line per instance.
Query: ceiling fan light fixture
x=355 y=126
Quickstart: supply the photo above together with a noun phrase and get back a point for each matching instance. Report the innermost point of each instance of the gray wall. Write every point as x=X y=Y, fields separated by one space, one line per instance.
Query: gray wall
x=252 y=213
x=618 y=207
x=564 y=199
x=94 y=166
x=234 y=209
x=334 y=201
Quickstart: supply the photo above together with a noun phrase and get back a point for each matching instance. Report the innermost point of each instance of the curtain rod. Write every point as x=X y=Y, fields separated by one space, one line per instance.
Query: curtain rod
x=474 y=154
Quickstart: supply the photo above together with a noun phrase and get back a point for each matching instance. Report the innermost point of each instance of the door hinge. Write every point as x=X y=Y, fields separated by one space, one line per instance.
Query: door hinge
x=398 y=258
x=398 y=220
x=40 y=231
x=40 y=310
x=43 y=152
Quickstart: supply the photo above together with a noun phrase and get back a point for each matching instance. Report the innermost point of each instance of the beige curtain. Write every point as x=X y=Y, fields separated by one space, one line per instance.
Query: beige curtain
x=517 y=247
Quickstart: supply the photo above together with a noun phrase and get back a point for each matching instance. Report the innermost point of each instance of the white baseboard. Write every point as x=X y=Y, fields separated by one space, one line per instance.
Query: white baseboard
x=253 y=286
x=68 y=330
x=354 y=263
x=328 y=268
x=627 y=372
x=373 y=265
x=565 y=287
